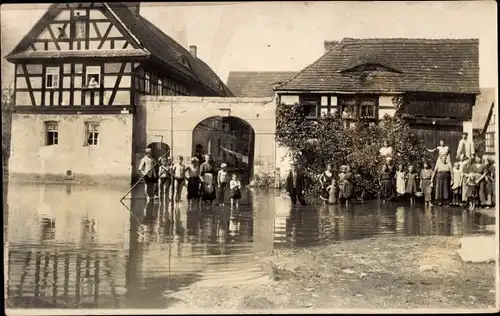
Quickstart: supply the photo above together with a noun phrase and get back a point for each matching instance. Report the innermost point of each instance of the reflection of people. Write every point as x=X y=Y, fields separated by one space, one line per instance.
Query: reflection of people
x=146 y=168
x=295 y=185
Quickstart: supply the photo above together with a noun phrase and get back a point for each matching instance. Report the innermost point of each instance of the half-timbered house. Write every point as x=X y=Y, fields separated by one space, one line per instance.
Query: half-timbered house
x=80 y=73
x=437 y=79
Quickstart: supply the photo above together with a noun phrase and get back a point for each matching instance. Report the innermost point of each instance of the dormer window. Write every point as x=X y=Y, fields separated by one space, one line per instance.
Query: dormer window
x=370 y=66
x=185 y=62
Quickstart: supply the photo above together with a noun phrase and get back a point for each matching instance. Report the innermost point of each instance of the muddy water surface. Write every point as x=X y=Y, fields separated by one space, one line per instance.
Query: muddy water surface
x=79 y=246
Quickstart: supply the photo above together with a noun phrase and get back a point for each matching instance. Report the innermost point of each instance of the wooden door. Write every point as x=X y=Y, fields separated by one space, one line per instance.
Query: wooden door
x=432 y=134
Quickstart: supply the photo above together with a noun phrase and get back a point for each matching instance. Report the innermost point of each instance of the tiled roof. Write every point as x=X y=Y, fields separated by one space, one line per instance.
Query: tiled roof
x=482 y=108
x=164 y=48
x=160 y=46
x=430 y=65
x=255 y=84
x=80 y=53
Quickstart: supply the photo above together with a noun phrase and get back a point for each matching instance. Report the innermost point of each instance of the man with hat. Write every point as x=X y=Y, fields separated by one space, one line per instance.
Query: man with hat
x=295 y=185
x=146 y=168
x=465 y=147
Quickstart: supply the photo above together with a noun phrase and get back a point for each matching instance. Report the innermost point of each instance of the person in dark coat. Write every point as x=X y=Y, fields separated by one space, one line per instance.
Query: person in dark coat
x=295 y=186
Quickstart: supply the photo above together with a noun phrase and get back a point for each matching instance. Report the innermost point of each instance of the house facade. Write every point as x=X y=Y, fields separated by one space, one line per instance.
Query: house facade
x=484 y=119
x=437 y=80
x=80 y=74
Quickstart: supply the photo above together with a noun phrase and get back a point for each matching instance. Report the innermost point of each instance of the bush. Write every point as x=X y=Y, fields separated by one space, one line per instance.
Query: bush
x=315 y=143
x=264 y=180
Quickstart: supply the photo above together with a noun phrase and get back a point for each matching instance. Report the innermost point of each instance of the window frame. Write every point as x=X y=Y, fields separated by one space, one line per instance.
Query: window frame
x=310 y=100
x=51 y=133
x=80 y=21
x=92 y=131
x=92 y=71
x=353 y=103
x=53 y=72
x=147 y=82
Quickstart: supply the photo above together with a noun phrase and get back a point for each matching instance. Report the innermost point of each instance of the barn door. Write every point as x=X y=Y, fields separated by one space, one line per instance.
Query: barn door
x=432 y=134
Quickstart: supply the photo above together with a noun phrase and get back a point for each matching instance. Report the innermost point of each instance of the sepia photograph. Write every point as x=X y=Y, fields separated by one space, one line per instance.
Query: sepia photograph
x=250 y=157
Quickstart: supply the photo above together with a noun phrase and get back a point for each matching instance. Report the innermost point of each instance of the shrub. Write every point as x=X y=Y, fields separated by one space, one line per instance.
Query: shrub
x=264 y=180
x=330 y=140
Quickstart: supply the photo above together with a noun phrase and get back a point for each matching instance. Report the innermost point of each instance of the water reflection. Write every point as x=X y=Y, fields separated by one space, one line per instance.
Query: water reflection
x=78 y=246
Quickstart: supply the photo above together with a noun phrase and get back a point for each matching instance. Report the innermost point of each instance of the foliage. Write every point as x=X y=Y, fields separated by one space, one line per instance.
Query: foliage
x=331 y=140
x=7 y=104
x=264 y=180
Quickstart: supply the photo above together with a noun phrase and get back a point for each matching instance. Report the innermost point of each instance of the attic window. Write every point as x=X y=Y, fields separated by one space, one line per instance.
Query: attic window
x=370 y=67
x=185 y=62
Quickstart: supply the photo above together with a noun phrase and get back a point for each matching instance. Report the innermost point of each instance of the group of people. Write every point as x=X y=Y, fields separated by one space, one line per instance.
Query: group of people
x=203 y=182
x=469 y=182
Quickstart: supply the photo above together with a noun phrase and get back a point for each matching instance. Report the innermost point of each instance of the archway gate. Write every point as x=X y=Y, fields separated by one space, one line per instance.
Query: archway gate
x=174 y=118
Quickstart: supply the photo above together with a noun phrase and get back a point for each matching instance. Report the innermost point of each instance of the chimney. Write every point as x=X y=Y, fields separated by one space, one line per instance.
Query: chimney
x=193 y=50
x=133 y=6
x=329 y=45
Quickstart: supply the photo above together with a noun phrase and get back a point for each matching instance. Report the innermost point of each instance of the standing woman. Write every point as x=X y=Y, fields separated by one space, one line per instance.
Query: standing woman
x=480 y=170
x=193 y=181
x=426 y=183
x=385 y=183
x=207 y=176
x=326 y=180
x=442 y=174
x=348 y=186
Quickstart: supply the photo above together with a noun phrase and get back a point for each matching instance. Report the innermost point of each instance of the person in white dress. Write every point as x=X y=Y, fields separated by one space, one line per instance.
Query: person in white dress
x=386 y=151
x=442 y=150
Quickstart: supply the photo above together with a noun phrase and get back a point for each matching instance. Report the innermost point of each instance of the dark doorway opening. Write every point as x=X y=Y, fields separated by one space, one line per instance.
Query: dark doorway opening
x=229 y=140
x=159 y=149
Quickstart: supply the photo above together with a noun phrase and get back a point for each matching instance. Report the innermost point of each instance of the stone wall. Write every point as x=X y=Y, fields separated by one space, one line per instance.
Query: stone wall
x=154 y=121
x=109 y=161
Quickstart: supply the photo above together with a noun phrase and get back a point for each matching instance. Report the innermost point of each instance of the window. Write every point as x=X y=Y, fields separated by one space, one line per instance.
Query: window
x=147 y=83
x=51 y=133
x=310 y=105
x=80 y=24
x=364 y=106
x=93 y=77
x=489 y=136
x=52 y=78
x=92 y=133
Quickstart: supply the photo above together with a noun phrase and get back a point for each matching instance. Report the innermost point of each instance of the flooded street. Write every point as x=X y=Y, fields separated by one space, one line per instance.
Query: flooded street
x=79 y=246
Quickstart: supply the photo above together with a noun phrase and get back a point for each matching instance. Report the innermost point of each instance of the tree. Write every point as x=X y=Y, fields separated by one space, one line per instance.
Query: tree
x=331 y=140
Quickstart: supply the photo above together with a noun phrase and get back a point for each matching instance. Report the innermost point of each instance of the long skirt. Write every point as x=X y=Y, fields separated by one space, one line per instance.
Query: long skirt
x=464 y=188
x=443 y=185
x=426 y=189
x=482 y=191
x=385 y=189
x=208 y=189
x=193 y=188
x=324 y=193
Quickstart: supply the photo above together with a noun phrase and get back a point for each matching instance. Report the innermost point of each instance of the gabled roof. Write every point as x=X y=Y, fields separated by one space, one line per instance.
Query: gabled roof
x=151 y=40
x=481 y=110
x=428 y=65
x=256 y=84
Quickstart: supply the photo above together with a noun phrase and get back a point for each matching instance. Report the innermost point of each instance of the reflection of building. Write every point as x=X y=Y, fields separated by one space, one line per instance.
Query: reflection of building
x=80 y=89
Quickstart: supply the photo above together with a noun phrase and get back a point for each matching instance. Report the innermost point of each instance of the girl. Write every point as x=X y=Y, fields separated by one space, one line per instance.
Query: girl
x=411 y=183
x=222 y=180
x=400 y=181
x=471 y=191
x=193 y=181
x=325 y=180
x=179 y=173
x=426 y=183
x=345 y=184
x=385 y=183
x=456 y=185
x=165 y=177
x=235 y=186
x=332 y=192
x=442 y=149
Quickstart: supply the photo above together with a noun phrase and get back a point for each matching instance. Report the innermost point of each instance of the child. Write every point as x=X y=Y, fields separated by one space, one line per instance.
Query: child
x=426 y=183
x=235 y=186
x=164 y=177
x=332 y=192
x=222 y=179
x=179 y=173
x=411 y=183
x=456 y=185
x=471 y=191
x=400 y=181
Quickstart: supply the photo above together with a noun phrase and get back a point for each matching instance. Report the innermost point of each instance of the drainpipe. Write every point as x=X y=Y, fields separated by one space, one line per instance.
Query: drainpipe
x=171 y=127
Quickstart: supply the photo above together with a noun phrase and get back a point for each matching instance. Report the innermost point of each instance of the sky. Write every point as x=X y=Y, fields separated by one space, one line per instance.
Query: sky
x=288 y=36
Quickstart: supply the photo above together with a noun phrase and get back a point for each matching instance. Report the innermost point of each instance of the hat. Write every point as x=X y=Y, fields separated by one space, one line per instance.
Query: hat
x=223 y=165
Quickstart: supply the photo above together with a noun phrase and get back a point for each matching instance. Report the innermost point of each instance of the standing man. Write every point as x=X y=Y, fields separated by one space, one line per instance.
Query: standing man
x=146 y=168
x=465 y=146
x=295 y=185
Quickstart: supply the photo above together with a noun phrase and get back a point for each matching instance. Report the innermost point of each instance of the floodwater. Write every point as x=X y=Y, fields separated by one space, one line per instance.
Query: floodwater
x=79 y=246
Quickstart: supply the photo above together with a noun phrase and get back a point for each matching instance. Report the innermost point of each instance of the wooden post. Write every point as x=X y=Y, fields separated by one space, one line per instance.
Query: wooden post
x=54 y=279
x=96 y=280
x=38 y=262
x=78 y=279
x=66 y=278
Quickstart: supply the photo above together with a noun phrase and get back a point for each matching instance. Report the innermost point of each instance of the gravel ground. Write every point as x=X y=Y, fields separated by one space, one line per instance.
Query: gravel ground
x=382 y=272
